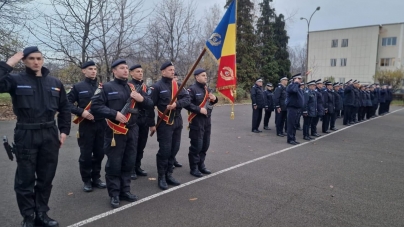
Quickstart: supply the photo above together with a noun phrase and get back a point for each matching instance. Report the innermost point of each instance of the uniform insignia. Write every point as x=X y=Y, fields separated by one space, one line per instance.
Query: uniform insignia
x=113 y=93
x=81 y=92
x=23 y=86
x=100 y=85
x=163 y=91
x=98 y=90
x=215 y=39
x=149 y=91
x=55 y=88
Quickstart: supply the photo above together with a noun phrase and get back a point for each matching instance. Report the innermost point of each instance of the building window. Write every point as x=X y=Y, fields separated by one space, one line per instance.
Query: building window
x=334 y=43
x=344 y=43
x=343 y=61
x=342 y=80
x=387 y=62
x=389 y=41
x=333 y=62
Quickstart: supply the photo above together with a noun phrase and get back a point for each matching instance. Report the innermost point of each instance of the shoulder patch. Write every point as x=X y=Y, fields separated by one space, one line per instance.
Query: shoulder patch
x=98 y=90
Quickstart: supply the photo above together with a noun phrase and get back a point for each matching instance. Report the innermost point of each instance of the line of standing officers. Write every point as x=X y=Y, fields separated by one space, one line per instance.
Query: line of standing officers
x=114 y=119
x=318 y=101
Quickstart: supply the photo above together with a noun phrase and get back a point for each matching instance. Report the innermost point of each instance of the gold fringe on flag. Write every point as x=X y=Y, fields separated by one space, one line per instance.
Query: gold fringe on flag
x=113 y=143
x=78 y=135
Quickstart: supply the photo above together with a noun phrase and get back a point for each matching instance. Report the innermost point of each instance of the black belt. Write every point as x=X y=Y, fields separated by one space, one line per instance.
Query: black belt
x=33 y=126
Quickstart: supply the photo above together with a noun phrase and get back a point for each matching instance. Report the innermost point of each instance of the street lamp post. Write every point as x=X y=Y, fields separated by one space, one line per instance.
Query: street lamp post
x=307 y=42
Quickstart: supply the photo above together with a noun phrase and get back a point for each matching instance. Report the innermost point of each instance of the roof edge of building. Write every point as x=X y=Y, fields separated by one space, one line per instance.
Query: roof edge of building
x=364 y=26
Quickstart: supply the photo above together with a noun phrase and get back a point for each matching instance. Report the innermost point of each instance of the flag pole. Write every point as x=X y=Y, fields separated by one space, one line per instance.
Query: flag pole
x=181 y=87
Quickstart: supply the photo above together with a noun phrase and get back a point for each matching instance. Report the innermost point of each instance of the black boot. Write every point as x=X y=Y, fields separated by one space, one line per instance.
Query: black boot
x=133 y=175
x=204 y=170
x=42 y=219
x=171 y=180
x=177 y=164
x=140 y=172
x=196 y=173
x=128 y=197
x=88 y=187
x=28 y=221
x=115 y=201
x=162 y=182
x=99 y=184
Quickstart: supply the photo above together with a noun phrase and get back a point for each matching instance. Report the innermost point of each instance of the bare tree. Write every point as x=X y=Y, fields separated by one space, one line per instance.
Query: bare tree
x=119 y=33
x=297 y=57
x=69 y=32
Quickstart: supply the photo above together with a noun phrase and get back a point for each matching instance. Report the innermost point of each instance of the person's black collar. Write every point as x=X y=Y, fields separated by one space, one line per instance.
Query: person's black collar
x=91 y=81
x=200 y=84
x=166 y=79
x=44 y=71
x=138 y=82
x=120 y=81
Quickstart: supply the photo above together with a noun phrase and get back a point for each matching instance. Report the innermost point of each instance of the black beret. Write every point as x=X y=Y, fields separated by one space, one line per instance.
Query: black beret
x=29 y=50
x=165 y=65
x=135 y=67
x=118 y=62
x=87 y=64
x=199 y=71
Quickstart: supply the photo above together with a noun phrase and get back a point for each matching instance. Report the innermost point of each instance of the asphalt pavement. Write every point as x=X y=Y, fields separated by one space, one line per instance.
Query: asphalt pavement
x=352 y=177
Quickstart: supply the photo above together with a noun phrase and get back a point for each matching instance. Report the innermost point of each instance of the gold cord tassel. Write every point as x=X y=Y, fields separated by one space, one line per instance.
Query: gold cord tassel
x=113 y=143
x=78 y=135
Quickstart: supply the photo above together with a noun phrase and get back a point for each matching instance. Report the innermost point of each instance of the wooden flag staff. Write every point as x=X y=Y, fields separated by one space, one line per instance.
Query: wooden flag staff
x=181 y=87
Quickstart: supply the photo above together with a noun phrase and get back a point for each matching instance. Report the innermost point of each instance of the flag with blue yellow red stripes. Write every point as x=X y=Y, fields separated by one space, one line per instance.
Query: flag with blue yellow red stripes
x=222 y=46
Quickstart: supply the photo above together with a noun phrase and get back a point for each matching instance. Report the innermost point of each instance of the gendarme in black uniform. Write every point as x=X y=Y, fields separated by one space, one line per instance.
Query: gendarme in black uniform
x=36 y=99
x=144 y=121
x=119 y=139
x=294 y=104
x=169 y=131
x=90 y=136
x=309 y=109
x=279 y=98
x=329 y=106
x=199 y=125
x=258 y=103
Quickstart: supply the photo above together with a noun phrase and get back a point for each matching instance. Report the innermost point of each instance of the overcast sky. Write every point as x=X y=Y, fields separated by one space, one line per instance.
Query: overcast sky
x=333 y=13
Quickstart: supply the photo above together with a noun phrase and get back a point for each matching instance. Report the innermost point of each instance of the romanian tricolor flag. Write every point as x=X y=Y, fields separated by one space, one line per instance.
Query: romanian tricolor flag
x=222 y=46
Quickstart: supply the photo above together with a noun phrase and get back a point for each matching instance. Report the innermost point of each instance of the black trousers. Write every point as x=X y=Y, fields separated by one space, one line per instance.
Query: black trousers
x=293 y=114
x=354 y=113
x=280 y=120
x=37 y=153
x=91 y=143
x=141 y=142
x=299 y=115
x=375 y=109
x=369 y=112
x=313 y=126
x=382 y=108
x=121 y=159
x=326 y=122
x=257 y=117
x=267 y=116
x=169 y=138
x=388 y=105
x=199 y=133
x=333 y=119
x=306 y=125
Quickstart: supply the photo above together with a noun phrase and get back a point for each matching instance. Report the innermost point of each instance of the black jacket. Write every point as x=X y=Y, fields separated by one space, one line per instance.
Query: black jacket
x=279 y=97
x=197 y=93
x=310 y=103
x=269 y=98
x=112 y=97
x=145 y=115
x=162 y=94
x=349 y=95
x=80 y=96
x=328 y=100
x=320 y=105
x=257 y=97
x=294 y=96
x=338 y=101
x=36 y=99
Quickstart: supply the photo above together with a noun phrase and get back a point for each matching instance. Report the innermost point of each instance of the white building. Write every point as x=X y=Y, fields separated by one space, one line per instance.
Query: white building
x=355 y=53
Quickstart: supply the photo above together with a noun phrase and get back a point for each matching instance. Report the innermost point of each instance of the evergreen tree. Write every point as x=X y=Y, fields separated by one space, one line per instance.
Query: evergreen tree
x=267 y=64
x=281 y=40
x=247 y=54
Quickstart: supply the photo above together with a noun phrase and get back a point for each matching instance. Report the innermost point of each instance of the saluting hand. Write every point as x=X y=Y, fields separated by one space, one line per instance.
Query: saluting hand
x=136 y=96
x=204 y=111
x=15 y=59
x=87 y=115
x=121 y=118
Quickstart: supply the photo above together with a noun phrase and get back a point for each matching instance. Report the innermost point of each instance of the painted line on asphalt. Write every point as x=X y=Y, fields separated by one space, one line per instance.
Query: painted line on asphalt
x=108 y=213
